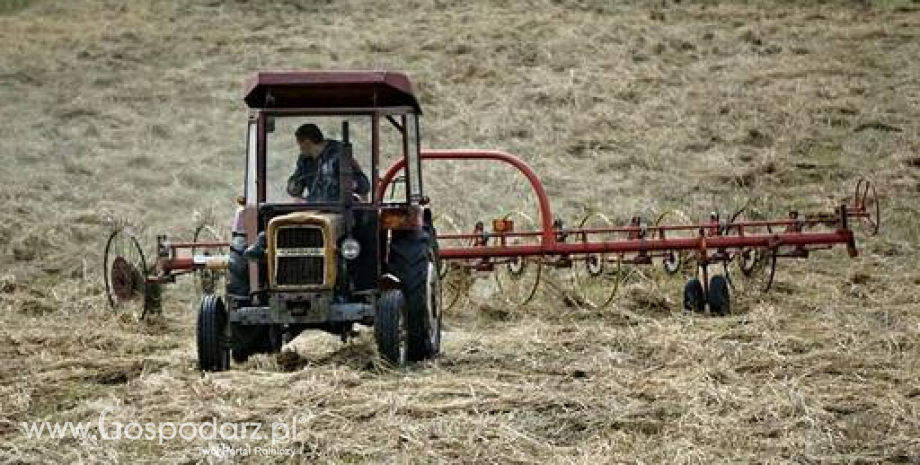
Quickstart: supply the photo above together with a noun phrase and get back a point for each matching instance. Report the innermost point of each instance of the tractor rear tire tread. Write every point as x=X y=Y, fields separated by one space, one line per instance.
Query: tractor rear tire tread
x=409 y=257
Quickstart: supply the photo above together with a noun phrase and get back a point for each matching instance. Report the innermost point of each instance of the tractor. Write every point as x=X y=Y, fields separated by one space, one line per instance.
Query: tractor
x=329 y=263
x=326 y=263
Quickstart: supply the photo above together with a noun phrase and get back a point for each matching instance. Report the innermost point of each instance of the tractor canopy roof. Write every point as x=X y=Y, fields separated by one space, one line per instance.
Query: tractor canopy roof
x=329 y=90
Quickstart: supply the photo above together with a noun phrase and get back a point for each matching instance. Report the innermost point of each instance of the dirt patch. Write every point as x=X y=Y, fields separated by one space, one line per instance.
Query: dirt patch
x=757 y=138
x=116 y=376
x=7 y=283
x=289 y=360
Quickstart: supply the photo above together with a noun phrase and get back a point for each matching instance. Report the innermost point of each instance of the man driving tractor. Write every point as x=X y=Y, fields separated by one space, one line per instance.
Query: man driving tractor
x=316 y=177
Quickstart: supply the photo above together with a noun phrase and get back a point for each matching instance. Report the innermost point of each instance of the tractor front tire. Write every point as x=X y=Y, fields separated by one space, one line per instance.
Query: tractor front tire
x=390 y=329
x=412 y=259
x=213 y=350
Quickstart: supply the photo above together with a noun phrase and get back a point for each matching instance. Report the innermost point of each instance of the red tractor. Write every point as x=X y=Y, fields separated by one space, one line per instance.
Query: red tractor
x=324 y=262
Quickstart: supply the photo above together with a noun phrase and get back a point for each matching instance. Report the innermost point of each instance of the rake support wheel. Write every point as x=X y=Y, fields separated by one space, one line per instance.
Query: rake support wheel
x=719 y=298
x=694 y=297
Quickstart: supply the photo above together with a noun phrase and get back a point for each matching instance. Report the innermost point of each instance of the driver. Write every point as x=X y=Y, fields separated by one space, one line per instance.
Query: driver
x=316 y=177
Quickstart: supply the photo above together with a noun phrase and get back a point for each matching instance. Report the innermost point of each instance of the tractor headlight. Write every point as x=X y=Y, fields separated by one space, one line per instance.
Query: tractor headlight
x=350 y=249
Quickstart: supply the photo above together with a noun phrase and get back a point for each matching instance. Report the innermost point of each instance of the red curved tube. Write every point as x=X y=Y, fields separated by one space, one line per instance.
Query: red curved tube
x=546 y=214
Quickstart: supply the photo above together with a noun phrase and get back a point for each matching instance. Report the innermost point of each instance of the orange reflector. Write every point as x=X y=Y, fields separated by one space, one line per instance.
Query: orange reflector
x=391 y=219
x=401 y=218
x=502 y=225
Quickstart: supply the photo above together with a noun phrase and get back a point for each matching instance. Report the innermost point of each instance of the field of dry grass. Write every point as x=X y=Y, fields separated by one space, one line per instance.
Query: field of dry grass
x=131 y=112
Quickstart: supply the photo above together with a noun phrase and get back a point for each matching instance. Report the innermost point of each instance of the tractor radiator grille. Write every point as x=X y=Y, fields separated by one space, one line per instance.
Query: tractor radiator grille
x=299 y=237
x=300 y=256
x=298 y=271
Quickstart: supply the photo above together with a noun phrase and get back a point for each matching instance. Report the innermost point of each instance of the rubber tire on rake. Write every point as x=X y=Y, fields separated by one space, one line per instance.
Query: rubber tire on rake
x=412 y=260
x=694 y=299
x=125 y=271
x=390 y=328
x=213 y=346
x=514 y=278
x=719 y=299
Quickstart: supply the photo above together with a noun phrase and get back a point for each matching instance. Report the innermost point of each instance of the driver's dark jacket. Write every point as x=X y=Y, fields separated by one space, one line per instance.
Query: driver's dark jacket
x=320 y=176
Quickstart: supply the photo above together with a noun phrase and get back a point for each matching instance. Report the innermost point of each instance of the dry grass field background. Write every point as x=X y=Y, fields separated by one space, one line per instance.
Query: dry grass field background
x=132 y=112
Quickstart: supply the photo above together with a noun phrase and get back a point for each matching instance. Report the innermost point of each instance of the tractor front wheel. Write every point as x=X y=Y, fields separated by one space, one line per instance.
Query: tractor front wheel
x=213 y=349
x=390 y=330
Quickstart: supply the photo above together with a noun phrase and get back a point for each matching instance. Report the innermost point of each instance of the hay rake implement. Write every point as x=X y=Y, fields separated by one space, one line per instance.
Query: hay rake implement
x=351 y=248
x=715 y=255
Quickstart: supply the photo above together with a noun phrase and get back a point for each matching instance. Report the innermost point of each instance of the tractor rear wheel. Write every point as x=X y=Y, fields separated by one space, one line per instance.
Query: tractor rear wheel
x=413 y=261
x=390 y=330
x=213 y=350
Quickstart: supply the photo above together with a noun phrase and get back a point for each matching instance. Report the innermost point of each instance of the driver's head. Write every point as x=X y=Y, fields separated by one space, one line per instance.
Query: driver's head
x=310 y=139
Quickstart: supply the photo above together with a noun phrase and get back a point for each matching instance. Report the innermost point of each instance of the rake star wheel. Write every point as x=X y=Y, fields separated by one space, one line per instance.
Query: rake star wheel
x=455 y=284
x=208 y=281
x=635 y=271
x=456 y=278
x=750 y=270
x=596 y=277
x=673 y=261
x=125 y=273
x=866 y=201
x=757 y=267
x=518 y=278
